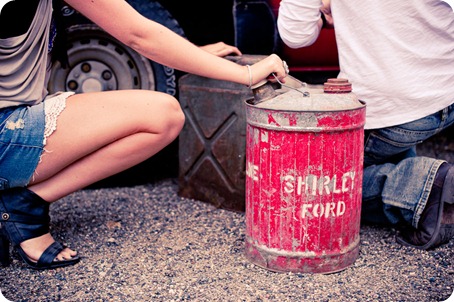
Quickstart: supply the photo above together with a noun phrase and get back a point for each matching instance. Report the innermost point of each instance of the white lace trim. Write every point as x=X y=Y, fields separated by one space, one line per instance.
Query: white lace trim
x=53 y=106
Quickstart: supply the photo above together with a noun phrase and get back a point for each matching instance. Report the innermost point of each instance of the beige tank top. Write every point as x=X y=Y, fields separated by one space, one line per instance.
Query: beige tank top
x=24 y=62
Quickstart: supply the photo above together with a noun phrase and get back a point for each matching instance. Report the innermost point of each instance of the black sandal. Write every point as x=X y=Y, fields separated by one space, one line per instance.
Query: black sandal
x=25 y=215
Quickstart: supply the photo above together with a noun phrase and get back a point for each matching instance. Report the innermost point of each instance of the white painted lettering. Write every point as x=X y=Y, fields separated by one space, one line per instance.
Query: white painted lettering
x=329 y=209
x=318 y=210
x=305 y=210
x=314 y=184
x=335 y=189
x=252 y=171
x=323 y=185
x=300 y=184
x=288 y=184
x=264 y=137
x=352 y=176
x=344 y=182
x=340 y=208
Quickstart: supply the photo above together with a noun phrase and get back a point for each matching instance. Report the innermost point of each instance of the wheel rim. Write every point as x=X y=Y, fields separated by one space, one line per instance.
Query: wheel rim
x=98 y=62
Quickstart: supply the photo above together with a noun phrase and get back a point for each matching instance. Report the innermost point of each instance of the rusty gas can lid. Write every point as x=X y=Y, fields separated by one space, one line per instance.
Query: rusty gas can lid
x=337 y=85
x=334 y=95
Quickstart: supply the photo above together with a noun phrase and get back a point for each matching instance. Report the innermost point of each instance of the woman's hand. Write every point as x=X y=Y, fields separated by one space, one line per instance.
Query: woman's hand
x=221 y=49
x=271 y=68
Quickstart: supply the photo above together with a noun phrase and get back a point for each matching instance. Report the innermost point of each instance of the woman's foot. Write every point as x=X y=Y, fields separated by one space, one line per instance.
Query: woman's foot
x=35 y=247
x=24 y=222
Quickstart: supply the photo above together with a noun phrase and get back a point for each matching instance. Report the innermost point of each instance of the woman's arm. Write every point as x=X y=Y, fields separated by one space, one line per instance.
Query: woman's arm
x=162 y=45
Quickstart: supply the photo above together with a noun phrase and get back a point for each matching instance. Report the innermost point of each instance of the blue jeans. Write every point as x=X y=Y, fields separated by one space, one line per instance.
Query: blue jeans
x=21 y=144
x=397 y=182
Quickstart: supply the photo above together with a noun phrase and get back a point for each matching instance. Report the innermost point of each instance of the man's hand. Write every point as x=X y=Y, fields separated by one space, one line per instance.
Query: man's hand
x=326 y=11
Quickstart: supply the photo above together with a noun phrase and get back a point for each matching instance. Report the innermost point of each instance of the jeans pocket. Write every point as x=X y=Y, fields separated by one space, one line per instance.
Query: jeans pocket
x=394 y=142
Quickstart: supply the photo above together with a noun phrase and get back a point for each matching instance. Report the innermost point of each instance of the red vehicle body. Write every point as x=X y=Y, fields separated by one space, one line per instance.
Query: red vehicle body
x=319 y=57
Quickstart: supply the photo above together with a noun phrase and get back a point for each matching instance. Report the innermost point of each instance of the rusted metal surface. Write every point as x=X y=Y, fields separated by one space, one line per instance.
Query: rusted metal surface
x=212 y=144
x=263 y=93
x=337 y=85
x=304 y=160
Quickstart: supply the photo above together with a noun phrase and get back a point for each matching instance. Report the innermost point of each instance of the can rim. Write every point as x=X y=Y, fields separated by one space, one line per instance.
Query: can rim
x=249 y=103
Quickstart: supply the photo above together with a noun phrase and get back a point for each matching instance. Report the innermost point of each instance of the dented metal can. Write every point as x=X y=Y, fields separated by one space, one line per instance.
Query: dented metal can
x=304 y=163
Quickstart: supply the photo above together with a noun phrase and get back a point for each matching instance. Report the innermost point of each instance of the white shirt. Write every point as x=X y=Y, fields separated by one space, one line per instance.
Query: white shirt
x=398 y=55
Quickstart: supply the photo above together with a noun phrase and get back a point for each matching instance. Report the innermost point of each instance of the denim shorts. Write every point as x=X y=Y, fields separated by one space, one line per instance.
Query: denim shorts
x=21 y=143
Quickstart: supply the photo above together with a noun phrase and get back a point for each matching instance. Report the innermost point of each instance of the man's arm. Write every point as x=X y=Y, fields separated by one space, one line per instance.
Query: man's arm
x=299 y=22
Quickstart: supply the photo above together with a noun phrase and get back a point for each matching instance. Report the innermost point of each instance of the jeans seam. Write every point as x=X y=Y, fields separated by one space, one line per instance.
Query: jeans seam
x=397 y=144
x=422 y=202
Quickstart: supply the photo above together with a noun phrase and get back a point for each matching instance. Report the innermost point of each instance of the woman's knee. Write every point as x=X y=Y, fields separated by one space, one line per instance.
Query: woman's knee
x=178 y=114
x=172 y=118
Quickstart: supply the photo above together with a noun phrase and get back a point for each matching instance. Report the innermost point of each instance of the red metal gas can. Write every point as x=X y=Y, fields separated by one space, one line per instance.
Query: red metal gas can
x=304 y=163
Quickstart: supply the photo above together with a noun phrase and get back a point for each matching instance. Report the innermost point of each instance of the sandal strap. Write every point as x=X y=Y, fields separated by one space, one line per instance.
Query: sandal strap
x=24 y=214
x=49 y=254
x=24 y=218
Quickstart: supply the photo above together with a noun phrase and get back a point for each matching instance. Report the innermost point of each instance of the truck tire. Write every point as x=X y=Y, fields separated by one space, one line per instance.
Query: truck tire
x=98 y=62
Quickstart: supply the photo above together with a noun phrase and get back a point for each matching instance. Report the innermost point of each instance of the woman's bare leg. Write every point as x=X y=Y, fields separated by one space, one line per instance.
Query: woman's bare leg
x=99 y=135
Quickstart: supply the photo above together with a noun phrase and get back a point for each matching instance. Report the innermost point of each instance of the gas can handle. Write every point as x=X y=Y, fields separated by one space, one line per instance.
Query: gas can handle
x=303 y=84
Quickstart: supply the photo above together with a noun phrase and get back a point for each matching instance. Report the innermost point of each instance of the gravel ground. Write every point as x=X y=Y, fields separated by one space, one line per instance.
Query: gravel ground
x=145 y=243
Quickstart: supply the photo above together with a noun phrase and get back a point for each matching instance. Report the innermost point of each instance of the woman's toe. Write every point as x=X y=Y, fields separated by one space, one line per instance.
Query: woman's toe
x=66 y=254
